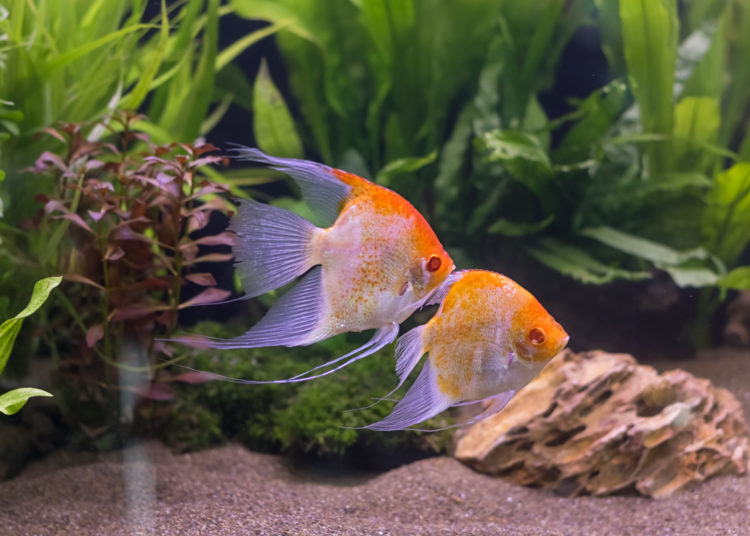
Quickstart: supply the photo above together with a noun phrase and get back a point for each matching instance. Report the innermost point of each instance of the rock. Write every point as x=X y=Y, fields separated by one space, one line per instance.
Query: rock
x=598 y=423
x=737 y=328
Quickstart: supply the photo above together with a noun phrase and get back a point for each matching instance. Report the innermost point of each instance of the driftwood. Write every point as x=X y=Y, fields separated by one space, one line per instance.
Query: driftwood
x=598 y=423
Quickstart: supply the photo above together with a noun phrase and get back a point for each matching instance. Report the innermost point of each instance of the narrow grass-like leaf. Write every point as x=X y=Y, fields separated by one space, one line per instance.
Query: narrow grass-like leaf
x=134 y=99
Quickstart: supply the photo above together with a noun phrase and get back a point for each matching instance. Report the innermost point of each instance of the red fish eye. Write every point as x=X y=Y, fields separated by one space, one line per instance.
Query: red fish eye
x=537 y=336
x=433 y=265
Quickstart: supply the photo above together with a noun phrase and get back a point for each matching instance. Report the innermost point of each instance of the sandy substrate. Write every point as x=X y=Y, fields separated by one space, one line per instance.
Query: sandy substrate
x=148 y=490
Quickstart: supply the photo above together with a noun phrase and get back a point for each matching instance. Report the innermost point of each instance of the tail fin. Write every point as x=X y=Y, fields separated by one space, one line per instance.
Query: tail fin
x=272 y=246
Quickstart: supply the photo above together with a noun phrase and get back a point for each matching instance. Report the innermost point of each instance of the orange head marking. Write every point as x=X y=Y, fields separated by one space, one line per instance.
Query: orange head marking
x=538 y=336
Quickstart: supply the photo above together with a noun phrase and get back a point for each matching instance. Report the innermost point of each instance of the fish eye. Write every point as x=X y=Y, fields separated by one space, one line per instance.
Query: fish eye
x=537 y=336
x=433 y=264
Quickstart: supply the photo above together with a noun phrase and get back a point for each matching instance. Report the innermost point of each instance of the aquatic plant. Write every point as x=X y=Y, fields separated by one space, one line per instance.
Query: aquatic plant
x=370 y=82
x=73 y=61
x=305 y=418
x=125 y=224
x=12 y=401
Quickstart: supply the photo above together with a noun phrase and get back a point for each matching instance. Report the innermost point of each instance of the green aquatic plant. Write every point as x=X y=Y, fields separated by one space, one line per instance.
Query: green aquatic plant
x=369 y=79
x=12 y=401
x=306 y=418
x=76 y=60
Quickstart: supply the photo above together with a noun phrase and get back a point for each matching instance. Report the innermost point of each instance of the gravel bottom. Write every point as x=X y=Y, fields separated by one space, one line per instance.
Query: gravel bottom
x=148 y=490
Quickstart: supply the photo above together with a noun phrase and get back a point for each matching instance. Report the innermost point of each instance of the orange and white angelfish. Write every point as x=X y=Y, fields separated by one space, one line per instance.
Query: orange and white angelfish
x=372 y=268
x=488 y=339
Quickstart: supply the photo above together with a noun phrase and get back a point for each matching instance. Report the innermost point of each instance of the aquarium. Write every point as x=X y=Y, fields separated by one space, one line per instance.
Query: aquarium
x=374 y=266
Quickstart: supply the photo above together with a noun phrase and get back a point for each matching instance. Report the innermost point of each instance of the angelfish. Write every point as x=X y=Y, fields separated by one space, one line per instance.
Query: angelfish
x=377 y=262
x=488 y=338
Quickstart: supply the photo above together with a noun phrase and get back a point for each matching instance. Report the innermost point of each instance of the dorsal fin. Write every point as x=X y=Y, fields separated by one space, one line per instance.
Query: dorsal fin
x=439 y=294
x=323 y=191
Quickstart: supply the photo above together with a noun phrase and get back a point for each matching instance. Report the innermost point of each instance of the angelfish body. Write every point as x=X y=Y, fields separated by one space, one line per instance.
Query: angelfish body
x=375 y=264
x=488 y=339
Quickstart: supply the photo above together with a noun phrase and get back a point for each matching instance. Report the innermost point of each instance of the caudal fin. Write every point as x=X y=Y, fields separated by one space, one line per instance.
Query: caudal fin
x=272 y=246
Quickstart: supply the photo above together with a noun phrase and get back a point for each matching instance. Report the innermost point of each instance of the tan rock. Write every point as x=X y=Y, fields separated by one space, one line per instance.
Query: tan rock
x=598 y=423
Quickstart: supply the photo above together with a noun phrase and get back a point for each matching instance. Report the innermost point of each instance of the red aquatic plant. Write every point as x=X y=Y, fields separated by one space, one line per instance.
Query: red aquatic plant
x=126 y=224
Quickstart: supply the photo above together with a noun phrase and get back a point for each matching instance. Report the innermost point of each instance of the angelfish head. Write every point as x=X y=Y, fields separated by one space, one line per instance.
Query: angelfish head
x=537 y=336
x=430 y=271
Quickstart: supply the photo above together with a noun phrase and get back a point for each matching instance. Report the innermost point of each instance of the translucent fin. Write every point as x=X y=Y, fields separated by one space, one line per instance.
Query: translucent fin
x=439 y=294
x=381 y=338
x=421 y=402
x=322 y=190
x=496 y=404
x=291 y=321
x=409 y=350
x=272 y=246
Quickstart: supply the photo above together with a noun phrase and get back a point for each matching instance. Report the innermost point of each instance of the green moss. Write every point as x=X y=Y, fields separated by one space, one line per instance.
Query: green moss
x=312 y=417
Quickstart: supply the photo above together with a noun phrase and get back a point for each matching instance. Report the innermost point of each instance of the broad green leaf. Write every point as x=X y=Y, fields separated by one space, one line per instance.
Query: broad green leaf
x=404 y=165
x=10 y=328
x=684 y=276
x=642 y=247
x=506 y=145
x=525 y=159
x=690 y=54
x=578 y=264
x=650 y=33
x=726 y=220
x=273 y=124
x=14 y=400
x=597 y=114
x=696 y=124
x=737 y=97
x=737 y=279
x=515 y=228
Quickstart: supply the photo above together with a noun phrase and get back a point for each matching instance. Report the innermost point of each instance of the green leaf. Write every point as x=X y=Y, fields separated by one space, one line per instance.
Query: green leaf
x=726 y=219
x=10 y=328
x=14 y=400
x=506 y=145
x=577 y=263
x=691 y=277
x=737 y=279
x=229 y=54
x=650 y=32
x=272 y=123
x=693 y=268
x=134 y=99
x=404 y=165
x=642 y=247
x=514 y=228
x=696 y=124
